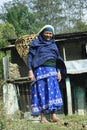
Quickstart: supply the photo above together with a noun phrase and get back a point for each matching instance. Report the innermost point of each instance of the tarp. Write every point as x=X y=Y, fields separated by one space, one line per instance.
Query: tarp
x=76 y=66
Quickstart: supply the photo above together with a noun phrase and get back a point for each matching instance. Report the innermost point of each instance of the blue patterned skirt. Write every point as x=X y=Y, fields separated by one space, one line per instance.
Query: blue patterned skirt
x=45 y=93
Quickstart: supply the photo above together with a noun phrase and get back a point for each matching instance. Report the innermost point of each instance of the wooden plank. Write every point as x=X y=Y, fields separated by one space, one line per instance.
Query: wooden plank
x=19 y=80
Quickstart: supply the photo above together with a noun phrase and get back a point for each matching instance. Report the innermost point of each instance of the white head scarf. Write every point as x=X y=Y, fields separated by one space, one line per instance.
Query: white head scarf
x=46 y=26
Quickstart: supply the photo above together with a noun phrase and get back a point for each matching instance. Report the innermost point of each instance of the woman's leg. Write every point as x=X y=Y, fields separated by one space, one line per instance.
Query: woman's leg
x=53 y=117
x=43 y=118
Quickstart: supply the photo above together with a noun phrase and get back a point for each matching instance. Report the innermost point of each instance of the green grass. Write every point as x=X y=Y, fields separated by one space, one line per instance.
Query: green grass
x=74 y=122
x=71 y=123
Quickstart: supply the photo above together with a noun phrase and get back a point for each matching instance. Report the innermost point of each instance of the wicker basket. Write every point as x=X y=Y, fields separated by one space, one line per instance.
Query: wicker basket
x=22 y=45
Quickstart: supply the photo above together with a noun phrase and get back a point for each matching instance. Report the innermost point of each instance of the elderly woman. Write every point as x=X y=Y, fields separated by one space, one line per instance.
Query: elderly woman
x=46 y=69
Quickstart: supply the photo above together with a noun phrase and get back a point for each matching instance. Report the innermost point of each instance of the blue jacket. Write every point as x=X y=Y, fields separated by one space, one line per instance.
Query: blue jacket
x=41 y=50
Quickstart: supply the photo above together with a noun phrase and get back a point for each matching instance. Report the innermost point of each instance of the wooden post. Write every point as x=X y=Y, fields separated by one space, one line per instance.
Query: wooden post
x=86 y=48
x=5 y=67
x=64 y=53
x=69 y=96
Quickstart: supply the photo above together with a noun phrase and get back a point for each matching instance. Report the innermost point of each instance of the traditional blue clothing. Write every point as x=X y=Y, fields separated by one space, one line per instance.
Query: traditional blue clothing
x=45 y=93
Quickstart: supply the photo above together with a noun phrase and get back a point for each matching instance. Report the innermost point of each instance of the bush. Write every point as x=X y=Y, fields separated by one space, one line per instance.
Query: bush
x=2 y=116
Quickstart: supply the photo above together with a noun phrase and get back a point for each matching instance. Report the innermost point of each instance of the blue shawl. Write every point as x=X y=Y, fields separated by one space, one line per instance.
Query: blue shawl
x=41 y=50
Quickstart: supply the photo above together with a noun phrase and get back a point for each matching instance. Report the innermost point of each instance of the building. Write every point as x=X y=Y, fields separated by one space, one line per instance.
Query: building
x=73 y=49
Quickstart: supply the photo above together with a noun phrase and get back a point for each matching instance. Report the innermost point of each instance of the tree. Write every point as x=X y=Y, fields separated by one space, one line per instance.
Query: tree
x=49 y=11
x=74 y=11
x=7 y=31
x=80 y=26
x=17 y=13
x=29 y=16
x=63 y=15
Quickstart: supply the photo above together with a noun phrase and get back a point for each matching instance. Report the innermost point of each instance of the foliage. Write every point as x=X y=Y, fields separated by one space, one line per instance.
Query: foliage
x=17 y=13
x=29 y=16
x=7 y=31
x=63 y=14
x=2 y=116
x=80 y=26
x=1 y=69
x=49 y=11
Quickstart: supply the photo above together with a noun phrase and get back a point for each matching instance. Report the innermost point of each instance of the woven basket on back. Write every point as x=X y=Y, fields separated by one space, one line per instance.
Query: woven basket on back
x=22 y=45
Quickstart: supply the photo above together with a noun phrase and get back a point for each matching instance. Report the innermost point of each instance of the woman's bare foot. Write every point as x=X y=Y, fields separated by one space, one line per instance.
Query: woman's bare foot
x=43 y=119
x=55 y=119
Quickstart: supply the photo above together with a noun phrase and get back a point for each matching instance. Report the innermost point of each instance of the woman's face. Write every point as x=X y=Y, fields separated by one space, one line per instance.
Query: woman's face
x=48 y=35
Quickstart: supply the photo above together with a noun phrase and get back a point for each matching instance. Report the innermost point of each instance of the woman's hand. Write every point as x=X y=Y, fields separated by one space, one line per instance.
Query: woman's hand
x=59 y=76
x=31 y=75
